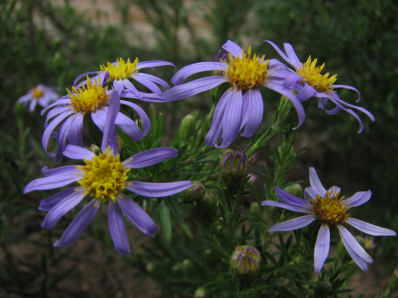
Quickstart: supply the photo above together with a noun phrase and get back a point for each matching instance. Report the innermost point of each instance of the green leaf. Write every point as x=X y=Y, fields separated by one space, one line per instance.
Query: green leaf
x=165 y=221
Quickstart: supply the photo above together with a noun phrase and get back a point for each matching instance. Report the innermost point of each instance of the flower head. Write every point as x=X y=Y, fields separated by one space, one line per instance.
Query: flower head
x=103 y=178
x=41 y=95
x=311 y=83
x=329 y=209
x=241 y=106
x=245 y=264
x=94 y=101
x=120 y=72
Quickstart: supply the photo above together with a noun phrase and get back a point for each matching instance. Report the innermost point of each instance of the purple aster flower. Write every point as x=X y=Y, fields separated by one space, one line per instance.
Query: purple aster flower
x=329 y=210
x=91 y=100
x=313 y=84
x=41 y=95
x=120 y=73
x=103 y=177
x=241 y=106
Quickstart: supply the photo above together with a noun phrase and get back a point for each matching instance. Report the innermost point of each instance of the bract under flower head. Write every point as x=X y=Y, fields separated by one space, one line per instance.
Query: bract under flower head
x=246 y=72
x=120 y=70
x=312 y=75
x=104 y=176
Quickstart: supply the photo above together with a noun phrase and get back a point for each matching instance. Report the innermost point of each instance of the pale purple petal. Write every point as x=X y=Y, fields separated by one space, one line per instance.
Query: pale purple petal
x=285 y=206
x=75 y=132
x=307 y=197
x=48 y=204
x=312 y=192
x=129 y=86
x=148 y=97
x=232 y=119
x=290 y=79
x=193 y=88
x=335 y=98
x=119 y=87
x=99 y=117
x=316 y=183
x=292 y=55
x=293 y=224
x=79 y=224
x=129 y=127
x=189 y=70
x=321 y=248
x=280 y=52
x=25 y=98
x=54 y=112
x=61 y=208
x=369 y=228
x=353 y=243
x=359 y=198
x=137 y=215
x=153 y=63
x=232 y=48
x=146 y=82
x=51 y=182
x=149 y=157
x=117 y=229
x=152 y=78
x=146 y=123
x=83 y=75
x=76 y=152
x=306 y=93
x=357 y=259
x=62 y=138
x=216 y=126
x=59 y=102
x=157 y=190
x=32 y=105
x=109 y=137
x=348 y=87
x=253 y=109
x=288 y=198
x=60 y=170
x=334 y=189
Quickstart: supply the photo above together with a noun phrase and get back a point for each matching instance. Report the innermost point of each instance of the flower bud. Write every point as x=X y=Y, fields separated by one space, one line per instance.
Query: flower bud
x=295 y=189
x=206 y=209
x=201 y=293
x=255 y=211
x=194 y=193
x=234 y=169
x=369 y=243
x=322 y=289
x=245 y=264
x=187 y=128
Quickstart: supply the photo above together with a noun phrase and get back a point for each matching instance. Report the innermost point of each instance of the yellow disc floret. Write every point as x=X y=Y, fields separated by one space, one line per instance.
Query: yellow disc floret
x=247 y=72
x=330 y=209
x=121 y=70
x=88 y=98
x=104 y=176
x=312 y=74
x=37 y=93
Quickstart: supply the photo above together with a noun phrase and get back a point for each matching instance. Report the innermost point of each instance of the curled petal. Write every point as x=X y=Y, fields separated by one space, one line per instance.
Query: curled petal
x=293 y=224
x=321 y=248
x=146 y=82
x=129 y=127
x=150 y=157
x=153 y=79
x=232 y=48
x=146 y=123
x=189 y=70
x=129 y=86
x=157 y=190
x=280 y=52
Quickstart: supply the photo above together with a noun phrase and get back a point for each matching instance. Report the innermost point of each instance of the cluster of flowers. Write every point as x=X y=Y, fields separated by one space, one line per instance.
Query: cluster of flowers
x=239 y=110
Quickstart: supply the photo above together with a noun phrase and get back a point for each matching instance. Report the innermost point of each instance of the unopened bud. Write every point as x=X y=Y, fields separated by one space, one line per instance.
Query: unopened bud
x=295 y=189
x=194 y=193
x=322 y=289
x=393 y=282
x=188 y=127
x=245 y=264
x=255 y=210
x=206 y=209
x=234 y=170
x=201 y=293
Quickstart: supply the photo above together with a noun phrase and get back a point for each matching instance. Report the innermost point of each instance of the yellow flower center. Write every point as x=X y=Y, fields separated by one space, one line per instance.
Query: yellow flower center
x=103 y=176
x=247 y=72
x=312 y=74
x=330 y=209
x=37 y=93
x=121 y=70
x=88 y=98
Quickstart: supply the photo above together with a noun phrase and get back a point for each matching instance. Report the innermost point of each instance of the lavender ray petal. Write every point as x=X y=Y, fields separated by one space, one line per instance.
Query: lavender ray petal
x=60 y=170
x=232 y=48
x=32 y=105
x=288 y=198
x=25 y=98
x=54 y=112
x=353 y=243
x=232 y=119
x=312 y=192
x=99 y=117
x=129 y=127
x=316 y=183
x=359 y=198
x=147 y=83
x=117 y=229
x=153 y=63
x=306 y=93
x=119 y=87
x=293 y=224
x=290 y=79
x=51 y=127
x=321 y=248
x=357 y=259
x=56 y=103
x=216 y=126
x=48 y=204
x=154 y=79
x=192 y=88
x=336 y=99
x=280 y=52
x=307 y=197
x=148 y=97
x=109 y=138
x=157 y=190
x=349 y=87
x=137 y=215
x=51 y=182
x=369 y=228
x=292 y=55
x=83 y=75
x=62 y=137
x=79 y=224
x=144 y=117
x=285 y=206
x=60 y=209
x=129 y=86
x=189 y=70
x=76 y=152
x=334 y=189
x=150 y=157
x=253 y=109
x=75 y=134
